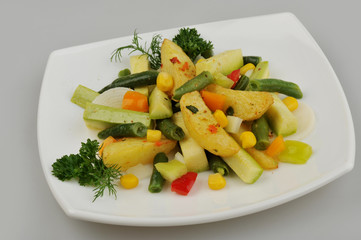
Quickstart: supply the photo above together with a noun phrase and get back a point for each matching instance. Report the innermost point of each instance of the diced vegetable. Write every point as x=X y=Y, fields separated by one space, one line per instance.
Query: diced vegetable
x=275 y=85
x=129 y=181
x=220 y=118
x=83 y=95
x=133 y=80
x=217 y=165
x=195 y=84
x=216 y=181
x=194 y=155
x=246 y=68
x=244 y=166
x=276 y=147
x=165 y=82
x=234 y=76
x=291 y=103
x=143 y=90
x=281 y=120
x=295 y=152
x=101 y=117
x=160 y=105
x=171 y=170
x=135 y=101
x=184 y=184
x=260 y=129
x=124 y=72
x=139 y=63
x=242 y=83
x=248 y=139
x=124 y=130
x=170 y=129
x=263 y=159
x=214 y=101
x=124 y=153
x=222 y=80
x=234 y=123
x=156 y=180
x=153 y=135
x=252 y=59
x=141 y=171
x=112 y=97
x=261 y=71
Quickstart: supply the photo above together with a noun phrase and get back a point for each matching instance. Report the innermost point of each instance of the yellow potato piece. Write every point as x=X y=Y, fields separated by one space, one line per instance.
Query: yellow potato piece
x=246 y=104
x=129 y=152
x=177 y=64
x=203 y=127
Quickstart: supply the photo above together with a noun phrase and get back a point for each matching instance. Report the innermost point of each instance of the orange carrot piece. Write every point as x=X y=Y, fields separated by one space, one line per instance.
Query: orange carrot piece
x=213 y=101
x=276 y=147
x=105 y=143
x=135 y=101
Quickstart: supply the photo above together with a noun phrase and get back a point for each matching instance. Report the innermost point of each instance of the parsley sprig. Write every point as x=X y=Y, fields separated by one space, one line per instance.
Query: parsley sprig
x=153 y=51
x=88 y=168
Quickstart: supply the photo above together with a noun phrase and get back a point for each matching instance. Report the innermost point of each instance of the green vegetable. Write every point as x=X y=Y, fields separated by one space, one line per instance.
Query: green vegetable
x=160 y=105
x=195 y=84
x=252 y=59
x=83 y=95
x=101 y=117
x=275 y=85
x=192 y=44
x=217 y=165
x=171 y=170
x=133 y=80
x=242 y=83
x=124 y=72
x=222 y=80
x=153 y=52
x=230 y=111
x=156 y=180
x=170 y=129
x=175 y=107
x=296 y=152
x=88 y=169
x=124 y=130
x=261 y=71
x=191 y=108
x=260 y=129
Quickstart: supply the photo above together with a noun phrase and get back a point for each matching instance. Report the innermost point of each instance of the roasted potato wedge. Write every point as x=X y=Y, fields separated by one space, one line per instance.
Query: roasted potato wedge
x=203 y=127
x=246 y=104
x=129 y=152
x=176 y=63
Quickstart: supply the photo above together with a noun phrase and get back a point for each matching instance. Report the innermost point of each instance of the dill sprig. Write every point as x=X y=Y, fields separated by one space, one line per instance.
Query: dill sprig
x=153 y=52
x=88 y=168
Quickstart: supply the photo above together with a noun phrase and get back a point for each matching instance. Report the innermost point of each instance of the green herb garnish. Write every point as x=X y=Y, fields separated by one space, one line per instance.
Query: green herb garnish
x=191 y=108
x=88 y=168
x=192 y=43
x=153 y=52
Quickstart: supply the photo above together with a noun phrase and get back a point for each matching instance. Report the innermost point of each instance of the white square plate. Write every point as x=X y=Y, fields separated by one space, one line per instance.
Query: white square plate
x=293 y=55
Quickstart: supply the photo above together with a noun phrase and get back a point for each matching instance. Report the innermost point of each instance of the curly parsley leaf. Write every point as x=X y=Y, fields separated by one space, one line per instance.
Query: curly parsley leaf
x=193 y=44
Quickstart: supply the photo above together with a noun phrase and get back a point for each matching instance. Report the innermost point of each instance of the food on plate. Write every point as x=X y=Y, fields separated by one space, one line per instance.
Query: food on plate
x=181 y=111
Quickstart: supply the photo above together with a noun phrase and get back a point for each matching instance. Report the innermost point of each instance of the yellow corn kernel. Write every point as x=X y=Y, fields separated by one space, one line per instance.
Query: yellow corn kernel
x=248 y=139
x=129 y=181
x=291 y=103
x=216 y=181
x=246 y=68
x=200 y=60
x=221 y=118
x=153 y=135
x=165 y=81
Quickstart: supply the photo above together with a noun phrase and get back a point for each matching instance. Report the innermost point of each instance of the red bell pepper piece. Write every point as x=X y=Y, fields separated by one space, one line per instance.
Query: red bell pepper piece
x=234 y=76
x=184 y=184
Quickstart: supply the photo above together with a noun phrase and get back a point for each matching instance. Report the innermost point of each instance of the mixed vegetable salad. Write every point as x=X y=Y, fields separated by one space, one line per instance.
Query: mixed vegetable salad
x=181 y=110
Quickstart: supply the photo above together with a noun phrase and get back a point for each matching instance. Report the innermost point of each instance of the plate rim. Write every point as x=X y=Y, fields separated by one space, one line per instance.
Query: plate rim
x=214 y=216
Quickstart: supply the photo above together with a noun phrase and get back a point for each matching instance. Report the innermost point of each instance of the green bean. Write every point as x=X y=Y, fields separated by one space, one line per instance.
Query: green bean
x=275 y=85
x=156 y=180
x=242 y=83
x=124 y=72
x=124 y=130
x=260 y=129
x=170 y=129
x=217 y=165
x=252 y=59
x=195 y=84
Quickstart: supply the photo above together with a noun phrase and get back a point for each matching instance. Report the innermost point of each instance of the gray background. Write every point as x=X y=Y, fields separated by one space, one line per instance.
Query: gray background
x=30 y=30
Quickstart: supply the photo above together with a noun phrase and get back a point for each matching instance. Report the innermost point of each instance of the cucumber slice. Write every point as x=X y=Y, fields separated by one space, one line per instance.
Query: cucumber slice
x=261 y=71
x=83 y=95
x=244 y=166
